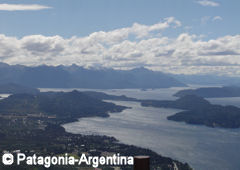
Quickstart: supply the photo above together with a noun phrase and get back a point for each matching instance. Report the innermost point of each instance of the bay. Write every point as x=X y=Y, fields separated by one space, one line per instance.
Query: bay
x=202 y=147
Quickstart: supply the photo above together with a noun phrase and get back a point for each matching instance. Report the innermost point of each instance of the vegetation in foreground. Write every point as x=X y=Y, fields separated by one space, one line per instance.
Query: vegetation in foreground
x=32 y=124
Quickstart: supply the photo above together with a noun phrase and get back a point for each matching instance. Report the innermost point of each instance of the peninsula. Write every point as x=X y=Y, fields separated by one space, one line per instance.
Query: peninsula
x=200 y=111
x=32 y=122
x=211 y=92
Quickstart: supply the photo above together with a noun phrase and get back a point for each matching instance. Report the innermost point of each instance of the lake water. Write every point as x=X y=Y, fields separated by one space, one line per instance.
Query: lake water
x=2 y=96
x=202 y=147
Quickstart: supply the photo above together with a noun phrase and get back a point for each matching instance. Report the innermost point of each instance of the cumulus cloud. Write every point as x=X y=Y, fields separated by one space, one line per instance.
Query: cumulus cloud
x=22 y=7
x=208 y=3
x=137 y=30
x=126 y=48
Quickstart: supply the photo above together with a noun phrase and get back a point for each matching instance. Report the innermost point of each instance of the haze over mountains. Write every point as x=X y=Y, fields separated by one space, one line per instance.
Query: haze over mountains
x=208 y=79
x=11 y=88
x=75 y=76
x=78 y=77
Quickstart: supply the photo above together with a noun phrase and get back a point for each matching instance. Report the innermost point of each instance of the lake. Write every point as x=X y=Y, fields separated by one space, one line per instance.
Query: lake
x=202 y=147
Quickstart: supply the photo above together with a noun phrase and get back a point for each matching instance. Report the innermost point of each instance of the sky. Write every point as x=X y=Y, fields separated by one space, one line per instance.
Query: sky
x=173 y=36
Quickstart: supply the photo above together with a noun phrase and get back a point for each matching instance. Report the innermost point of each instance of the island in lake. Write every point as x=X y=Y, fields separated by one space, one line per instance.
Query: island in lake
x=208 y=92
x=32 y=122
x=200 y=111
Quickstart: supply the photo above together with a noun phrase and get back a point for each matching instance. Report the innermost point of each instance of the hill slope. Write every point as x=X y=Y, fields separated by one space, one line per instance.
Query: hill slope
x=63 y=105
x=200 y=111
x=211 y=92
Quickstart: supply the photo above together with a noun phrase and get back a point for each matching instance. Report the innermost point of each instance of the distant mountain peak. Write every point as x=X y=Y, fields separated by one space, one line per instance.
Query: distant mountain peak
x=75 y=76
x=142 y=68
x=3 y=64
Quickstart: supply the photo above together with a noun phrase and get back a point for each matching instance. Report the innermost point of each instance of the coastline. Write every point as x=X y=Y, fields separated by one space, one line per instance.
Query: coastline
x=172 y=162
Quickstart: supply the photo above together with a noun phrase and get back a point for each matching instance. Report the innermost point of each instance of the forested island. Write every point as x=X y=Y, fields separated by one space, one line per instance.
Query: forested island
x=200 y=111
x=208 y=92
x=69 y=105
x=104 y=96
x=32 y=123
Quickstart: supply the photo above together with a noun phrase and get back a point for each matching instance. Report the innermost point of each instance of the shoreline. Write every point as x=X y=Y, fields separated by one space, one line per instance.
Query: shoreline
x=175 y=162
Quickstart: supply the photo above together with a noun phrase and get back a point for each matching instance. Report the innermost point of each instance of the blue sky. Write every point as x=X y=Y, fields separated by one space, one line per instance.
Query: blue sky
x=174 y=36
x=82 y=17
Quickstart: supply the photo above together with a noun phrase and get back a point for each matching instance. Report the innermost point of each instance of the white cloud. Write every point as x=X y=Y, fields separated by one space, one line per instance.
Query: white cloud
x=118 y=49
x=217 y=18
x=206 y=19
x=208 y=3
x=22 y=7
x=137 y=30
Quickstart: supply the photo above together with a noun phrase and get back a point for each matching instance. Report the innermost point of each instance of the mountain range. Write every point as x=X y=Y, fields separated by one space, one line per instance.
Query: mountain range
x=75 y=76
x=208 y=79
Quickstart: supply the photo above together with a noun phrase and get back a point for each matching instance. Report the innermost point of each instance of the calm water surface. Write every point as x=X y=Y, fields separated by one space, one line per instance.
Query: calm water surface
x=202 y=147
